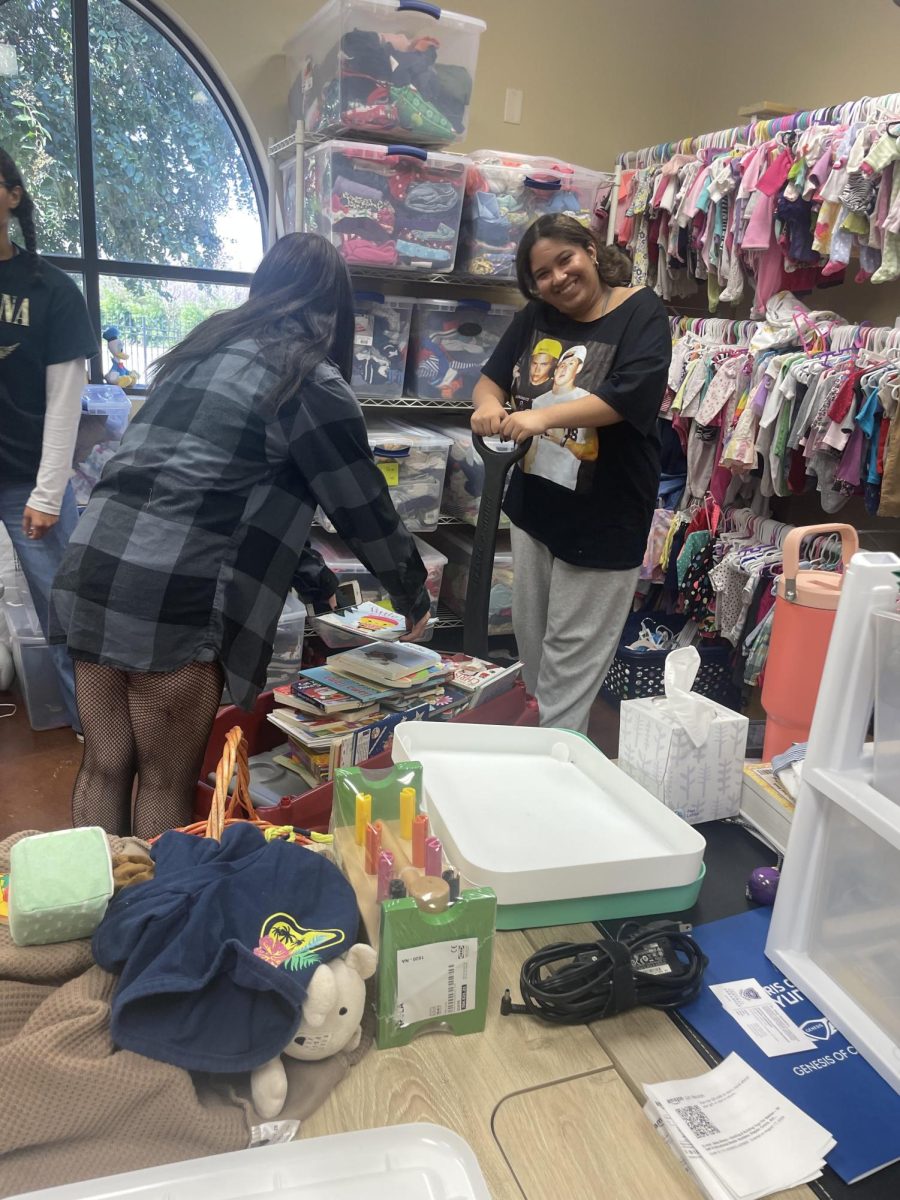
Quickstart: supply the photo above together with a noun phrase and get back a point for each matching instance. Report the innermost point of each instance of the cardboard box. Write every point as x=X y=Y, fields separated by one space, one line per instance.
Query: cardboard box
x=699 y=783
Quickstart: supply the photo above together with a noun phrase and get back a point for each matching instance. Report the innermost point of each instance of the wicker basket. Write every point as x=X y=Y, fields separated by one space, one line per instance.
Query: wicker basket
x=236 y=808
x=634 y=674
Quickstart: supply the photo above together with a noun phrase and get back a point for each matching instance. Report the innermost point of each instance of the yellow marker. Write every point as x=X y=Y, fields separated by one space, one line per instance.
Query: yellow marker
x=407 y=811
x=363 y=816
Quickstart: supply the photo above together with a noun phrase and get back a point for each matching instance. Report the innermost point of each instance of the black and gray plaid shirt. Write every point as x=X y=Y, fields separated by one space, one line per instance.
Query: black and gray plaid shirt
x=187 y=548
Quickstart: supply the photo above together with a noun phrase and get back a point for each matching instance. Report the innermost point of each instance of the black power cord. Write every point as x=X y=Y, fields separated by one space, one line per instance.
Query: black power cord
x=657 y=965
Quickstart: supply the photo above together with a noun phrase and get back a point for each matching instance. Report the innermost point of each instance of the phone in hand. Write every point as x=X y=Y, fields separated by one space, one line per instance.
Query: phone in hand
x=347 y=595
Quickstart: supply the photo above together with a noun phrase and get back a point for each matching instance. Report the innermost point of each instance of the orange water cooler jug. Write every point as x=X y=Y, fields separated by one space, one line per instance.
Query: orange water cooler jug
x=805 y=606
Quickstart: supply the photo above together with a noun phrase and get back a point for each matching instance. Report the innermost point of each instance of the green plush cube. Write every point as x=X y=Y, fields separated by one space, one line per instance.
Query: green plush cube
x=59 y=886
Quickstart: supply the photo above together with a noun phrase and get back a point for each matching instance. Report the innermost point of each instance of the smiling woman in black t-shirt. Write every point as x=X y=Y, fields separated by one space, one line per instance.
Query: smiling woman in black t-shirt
x=582 y=370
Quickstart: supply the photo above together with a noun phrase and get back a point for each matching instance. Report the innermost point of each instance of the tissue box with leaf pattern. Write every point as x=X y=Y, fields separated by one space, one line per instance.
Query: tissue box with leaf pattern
x=684 y=749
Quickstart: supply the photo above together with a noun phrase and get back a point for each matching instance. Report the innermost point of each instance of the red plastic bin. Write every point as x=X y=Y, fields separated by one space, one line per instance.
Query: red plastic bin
x=312 y=810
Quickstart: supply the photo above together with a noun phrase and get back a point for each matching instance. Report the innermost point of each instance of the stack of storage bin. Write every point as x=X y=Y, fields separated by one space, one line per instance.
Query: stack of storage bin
x=399 y=75
x=505 y=192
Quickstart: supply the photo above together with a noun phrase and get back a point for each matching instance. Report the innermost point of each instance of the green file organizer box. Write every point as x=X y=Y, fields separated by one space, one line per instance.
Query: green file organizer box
x=59 y=885
x=434 y=969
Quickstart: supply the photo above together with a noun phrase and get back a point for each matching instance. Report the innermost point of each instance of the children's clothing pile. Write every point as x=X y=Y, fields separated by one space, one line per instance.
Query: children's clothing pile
x=413 y=461
x=450 y=342
x=408 y=76
x=505 y=192
x=380 y=343
x=787 y=214
x=464 y=481
x=385 y=206
x=783 y=413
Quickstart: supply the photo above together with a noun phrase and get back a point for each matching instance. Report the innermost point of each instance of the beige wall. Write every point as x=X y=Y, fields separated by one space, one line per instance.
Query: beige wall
x=602 y=76
x=585 y=98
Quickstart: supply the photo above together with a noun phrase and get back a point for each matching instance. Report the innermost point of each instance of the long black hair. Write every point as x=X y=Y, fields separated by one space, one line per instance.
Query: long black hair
x=24 y=210
x=300 y=311
x=613 y=266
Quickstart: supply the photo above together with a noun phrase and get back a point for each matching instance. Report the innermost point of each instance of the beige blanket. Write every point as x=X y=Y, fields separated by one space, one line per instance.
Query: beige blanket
x=74 y=1107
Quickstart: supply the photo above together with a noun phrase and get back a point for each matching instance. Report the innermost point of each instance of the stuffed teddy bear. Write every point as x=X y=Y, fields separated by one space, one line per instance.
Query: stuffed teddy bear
x=330 y=1022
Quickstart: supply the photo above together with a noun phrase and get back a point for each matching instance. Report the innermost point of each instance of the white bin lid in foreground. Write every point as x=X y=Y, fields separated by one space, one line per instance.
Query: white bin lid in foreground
x=401 y=1162
x=541 y=814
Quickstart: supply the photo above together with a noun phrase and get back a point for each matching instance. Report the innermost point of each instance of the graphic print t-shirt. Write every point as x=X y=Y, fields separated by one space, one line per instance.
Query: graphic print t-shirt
x=588 y=494
x=43 y=320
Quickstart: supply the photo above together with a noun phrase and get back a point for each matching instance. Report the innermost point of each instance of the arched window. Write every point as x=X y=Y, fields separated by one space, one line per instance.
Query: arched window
x=145 y=180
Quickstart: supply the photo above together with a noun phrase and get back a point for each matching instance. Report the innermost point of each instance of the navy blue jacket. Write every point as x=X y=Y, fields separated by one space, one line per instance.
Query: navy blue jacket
x=216 y=952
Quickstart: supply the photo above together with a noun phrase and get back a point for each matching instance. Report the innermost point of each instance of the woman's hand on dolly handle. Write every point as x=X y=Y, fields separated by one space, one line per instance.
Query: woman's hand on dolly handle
x=488 y=417
x=519 y=426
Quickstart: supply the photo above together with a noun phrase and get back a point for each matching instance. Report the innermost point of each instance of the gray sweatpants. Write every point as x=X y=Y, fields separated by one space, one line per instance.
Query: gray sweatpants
x=567 y=621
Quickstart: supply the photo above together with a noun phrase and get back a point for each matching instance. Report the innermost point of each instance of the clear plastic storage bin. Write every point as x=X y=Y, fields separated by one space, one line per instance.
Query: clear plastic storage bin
x=385 y=68
x=380 y=343
x=287 y=650
x=505 y=192
x=346 y=567
x=887 y=705
x=414 y=462
x=464 y=481
x=450 y=342
x=105 y=410
x=402 y=1162
x=457 y=545
x=33 y=658
x=385 y=206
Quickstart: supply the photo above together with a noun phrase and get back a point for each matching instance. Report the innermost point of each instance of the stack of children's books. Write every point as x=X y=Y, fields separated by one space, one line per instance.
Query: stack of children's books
x=345 y=712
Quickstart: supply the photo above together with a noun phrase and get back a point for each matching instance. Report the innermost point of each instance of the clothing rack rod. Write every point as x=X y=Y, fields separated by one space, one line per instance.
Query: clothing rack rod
x=866 y=108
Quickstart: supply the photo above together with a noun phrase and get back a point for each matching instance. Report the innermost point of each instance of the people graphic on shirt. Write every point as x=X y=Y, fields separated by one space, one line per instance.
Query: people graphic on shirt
x=557 y=455
x=541 y=365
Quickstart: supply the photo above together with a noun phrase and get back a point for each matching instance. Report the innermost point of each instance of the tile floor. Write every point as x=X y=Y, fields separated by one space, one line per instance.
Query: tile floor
x=37 y=770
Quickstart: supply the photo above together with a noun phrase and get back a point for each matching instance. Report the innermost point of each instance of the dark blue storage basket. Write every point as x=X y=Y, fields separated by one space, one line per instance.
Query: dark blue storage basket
x=639 y=673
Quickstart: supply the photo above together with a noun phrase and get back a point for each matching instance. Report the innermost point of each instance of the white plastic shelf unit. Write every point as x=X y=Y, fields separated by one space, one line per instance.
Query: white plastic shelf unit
x=835 y=928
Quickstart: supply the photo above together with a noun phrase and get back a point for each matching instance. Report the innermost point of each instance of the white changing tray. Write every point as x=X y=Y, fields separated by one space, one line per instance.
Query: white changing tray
x=547 y=821
x=401 y=1162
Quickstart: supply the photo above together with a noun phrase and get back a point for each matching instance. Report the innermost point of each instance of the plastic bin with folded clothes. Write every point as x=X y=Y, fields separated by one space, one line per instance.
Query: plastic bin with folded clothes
x=505 y=192
x=449 y=343
x=380 y=343
x=464 y=481
x=457 y=545
x=385 y=68
x=341 y=560
x=413 y=461
x=105 y=410
x=385 y=206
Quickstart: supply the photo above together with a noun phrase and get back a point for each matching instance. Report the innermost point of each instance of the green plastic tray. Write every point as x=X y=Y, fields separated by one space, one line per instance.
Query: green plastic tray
x=600 y=908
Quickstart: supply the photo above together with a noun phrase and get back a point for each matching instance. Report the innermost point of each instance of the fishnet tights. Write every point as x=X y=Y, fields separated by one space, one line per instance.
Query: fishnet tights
x=153 y=725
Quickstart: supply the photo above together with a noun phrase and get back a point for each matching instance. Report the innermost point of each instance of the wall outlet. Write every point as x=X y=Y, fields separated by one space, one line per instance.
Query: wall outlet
x=512 y=109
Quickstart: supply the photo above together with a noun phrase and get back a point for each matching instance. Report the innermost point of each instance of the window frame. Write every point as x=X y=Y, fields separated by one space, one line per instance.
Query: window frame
x=89 y=264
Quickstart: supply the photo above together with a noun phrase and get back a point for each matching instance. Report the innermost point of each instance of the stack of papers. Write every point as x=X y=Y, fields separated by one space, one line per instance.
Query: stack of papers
x=738 y=1136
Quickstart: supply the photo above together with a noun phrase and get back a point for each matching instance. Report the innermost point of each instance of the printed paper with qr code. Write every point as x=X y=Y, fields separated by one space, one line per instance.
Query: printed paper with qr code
x=755 y=1140
x=436 y=980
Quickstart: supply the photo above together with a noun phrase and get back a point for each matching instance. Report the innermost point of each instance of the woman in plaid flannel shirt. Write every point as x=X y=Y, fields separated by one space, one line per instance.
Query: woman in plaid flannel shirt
x=176 y=575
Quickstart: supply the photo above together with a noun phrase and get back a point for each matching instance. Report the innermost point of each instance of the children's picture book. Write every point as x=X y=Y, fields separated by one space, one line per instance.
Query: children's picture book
x=402 y=665
x=358 y=689
x=471 y=674
x=312 y=697
x=366 y=620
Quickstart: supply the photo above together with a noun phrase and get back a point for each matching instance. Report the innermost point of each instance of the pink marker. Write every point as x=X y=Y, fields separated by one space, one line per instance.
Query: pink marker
x=434 y=857
x=385 y=874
